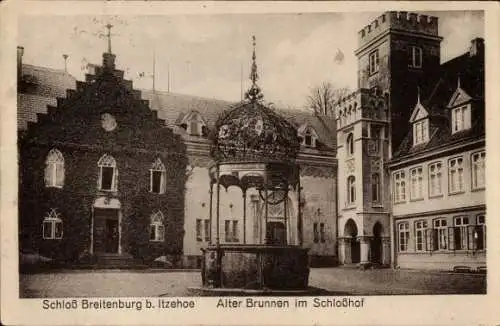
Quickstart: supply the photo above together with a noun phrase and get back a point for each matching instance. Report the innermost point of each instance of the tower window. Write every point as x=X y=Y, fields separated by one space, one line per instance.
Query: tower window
x=415 y=57
x=351 y=190
x=350 y=144
x=375 y=188
x=374 y=62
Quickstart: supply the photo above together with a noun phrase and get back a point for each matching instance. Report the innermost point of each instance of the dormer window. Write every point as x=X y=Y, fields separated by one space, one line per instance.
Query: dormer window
x=414 y=57
x=374 y=62
x=460 y=118
x=195 y=125
x=420 y=132
x=309 y=137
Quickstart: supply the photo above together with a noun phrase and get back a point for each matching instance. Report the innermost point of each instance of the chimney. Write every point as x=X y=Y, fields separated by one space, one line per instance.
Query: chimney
x=20 y=52
x=476 y=47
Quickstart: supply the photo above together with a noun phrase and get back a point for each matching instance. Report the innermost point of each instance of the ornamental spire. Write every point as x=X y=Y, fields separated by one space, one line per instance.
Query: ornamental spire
x=418 y=95
x=254 y=93
x=109 y=26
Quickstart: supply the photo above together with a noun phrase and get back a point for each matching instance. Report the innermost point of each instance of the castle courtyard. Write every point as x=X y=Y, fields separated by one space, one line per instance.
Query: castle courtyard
x=331 y=281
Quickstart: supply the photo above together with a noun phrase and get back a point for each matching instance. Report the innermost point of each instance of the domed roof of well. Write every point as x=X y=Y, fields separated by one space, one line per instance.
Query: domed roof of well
x=253 y=132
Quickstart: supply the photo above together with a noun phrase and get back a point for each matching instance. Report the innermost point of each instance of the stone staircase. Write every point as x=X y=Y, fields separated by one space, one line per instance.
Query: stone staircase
x=111 y=260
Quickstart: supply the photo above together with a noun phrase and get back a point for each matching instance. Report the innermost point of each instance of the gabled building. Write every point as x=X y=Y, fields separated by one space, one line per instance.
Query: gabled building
x=99 y=174
x=438 y=174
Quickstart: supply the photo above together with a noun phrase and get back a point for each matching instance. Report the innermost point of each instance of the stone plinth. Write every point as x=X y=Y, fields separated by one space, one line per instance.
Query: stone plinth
x=255 y=267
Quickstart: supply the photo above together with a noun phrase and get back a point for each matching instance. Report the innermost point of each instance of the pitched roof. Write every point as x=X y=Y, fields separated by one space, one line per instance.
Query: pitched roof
x=48 y=82
x=171 y=107
x=470 y=70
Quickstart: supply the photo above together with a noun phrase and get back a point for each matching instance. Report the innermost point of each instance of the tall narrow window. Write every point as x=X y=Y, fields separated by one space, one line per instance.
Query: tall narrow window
x=322 y=232
x=157 y=228
x=52 y=226
x=199 y=229
x=403 y=236
x=207 y=230
x=315 y=232
x=350 y=144
x=351 y=190
x=415 y=57
x=108 y=173
x=54 y=169
x=375 y=188
x=460 y=119
x=399 y=187
x=460 y=234
x=456 y=175
x=416 y=180
x=157 y=177
x=440 y=234
x=478 y=170
x=435 y=179
x=480 y=233
x=374 y=62
x=420 y=241
x=235 y=233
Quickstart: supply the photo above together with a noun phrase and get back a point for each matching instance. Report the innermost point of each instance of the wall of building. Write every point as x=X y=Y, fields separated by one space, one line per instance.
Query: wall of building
x=469 y=197
x=442 y=259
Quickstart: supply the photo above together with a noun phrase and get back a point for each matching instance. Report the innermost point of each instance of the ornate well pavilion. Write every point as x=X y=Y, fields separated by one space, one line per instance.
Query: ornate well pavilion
x=255 y=149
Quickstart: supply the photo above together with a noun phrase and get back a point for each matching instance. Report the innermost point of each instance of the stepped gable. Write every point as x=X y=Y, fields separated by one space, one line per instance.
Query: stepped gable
x=470 y=70
x=76 y=118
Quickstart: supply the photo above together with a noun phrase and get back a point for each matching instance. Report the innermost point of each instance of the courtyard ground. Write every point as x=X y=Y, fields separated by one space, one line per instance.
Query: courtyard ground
x=109 y=283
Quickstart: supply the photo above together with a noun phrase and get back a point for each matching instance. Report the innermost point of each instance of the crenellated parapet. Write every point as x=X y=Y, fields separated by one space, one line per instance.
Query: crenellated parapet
x=401 y=21
x=360 y=104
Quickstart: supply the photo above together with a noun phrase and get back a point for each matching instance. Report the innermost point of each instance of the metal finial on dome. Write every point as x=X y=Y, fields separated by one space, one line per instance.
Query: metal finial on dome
x=254 y=93
x=109 y=26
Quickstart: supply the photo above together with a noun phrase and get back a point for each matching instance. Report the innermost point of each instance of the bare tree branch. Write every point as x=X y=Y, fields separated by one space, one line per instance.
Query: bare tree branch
x=322 y=98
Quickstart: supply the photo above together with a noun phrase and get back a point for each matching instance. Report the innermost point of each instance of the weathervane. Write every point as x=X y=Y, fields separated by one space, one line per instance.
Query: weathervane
x=254 y=93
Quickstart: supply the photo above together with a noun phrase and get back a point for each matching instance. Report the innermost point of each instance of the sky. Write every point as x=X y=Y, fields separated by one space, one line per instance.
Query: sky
x=210 y=55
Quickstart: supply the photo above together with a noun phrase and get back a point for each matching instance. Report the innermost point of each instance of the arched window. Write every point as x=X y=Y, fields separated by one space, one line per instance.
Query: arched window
x=54 y=169
x=52 y=226
x=375 y=188
x=157 y=228
x=157 y=177
x=351 y=189
x=350 y=144
x=108 y=173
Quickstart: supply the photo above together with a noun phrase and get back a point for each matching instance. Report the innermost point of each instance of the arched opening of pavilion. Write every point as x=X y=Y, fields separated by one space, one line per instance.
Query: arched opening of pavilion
x=255 y=149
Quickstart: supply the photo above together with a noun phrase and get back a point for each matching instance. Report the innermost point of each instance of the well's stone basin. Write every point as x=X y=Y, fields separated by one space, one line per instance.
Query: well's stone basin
x=255 y=267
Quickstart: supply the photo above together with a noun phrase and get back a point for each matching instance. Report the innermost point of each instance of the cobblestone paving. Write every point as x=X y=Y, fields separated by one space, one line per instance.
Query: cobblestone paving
x=335 y=280
x=388 y=281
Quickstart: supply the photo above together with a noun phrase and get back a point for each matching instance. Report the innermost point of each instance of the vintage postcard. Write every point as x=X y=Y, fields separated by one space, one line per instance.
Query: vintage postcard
x=249 y=163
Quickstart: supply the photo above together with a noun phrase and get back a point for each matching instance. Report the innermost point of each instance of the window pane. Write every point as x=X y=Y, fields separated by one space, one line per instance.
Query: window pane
x=152 y=234
x=47 y=229
x=207 y=230
x=58 y=230
x=107 y=178
x=198 y=229
x=156 y=186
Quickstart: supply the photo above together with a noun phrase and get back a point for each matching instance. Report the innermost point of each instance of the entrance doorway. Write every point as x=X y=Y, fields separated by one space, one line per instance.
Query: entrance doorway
x=106 y=230
x=351 y=232
x=376 y=244
x=276 y=233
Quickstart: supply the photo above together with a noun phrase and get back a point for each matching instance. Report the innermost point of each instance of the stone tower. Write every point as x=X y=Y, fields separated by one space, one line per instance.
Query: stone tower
x=395 y=51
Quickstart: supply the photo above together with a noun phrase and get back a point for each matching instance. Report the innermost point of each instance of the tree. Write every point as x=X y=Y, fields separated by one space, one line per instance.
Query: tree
x=322 y=98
